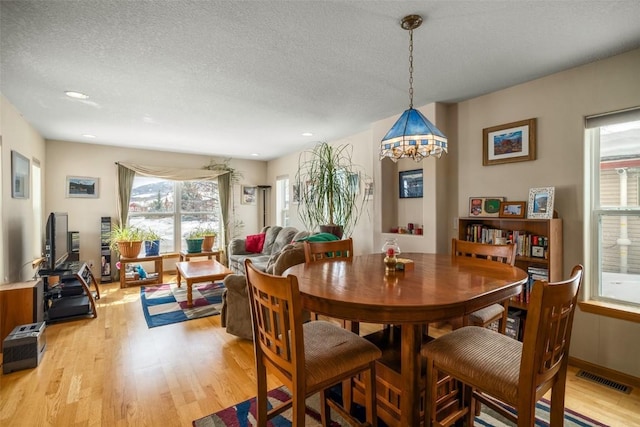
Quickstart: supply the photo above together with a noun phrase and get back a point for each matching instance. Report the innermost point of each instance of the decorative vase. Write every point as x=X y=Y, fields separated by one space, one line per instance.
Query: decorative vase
x=207 y=243
x=152 y=247
x=130 y=249
x=194 y=245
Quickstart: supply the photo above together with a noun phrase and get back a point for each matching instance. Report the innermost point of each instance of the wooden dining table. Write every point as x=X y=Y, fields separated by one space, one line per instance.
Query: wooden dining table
x=438 y=287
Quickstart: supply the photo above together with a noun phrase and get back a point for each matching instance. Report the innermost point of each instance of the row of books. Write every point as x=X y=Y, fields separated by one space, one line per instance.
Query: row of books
x=526 y=244
x=535 y=273
x=515 y=325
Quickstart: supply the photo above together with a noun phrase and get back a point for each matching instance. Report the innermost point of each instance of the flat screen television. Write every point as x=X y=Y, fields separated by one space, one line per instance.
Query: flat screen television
x=56 y=240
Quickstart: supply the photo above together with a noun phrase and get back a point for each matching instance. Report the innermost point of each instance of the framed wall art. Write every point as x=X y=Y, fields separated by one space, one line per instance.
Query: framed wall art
x=368 y=189
x=20 y=176
x=295 y=194
x=410 y=184
x=485 y=206
x=82 y=187
x=249 y=195
x=513 y=209
x=513 y=142
x=541 y=203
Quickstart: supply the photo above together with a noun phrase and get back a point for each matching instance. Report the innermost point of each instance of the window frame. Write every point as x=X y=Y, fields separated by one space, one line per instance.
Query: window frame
x=594 y=301
x=177 y=213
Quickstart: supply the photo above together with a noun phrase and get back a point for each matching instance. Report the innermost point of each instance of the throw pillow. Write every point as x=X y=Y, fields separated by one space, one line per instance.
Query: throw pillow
x=255 y=242
x=319 y=237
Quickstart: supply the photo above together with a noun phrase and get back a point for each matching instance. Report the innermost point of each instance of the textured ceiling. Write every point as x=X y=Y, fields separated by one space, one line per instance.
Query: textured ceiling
x=233 y=78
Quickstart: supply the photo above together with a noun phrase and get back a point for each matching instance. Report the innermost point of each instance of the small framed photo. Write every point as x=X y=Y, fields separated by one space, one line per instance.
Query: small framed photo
x=368 y=189
x=82 y=187
x=410 y=184
x=249 y=195
x=512 y=209
x=484 y=206
x=20 y=176
x=513 y=142
x=353 y=180
x=296 y=194
x=541 y=203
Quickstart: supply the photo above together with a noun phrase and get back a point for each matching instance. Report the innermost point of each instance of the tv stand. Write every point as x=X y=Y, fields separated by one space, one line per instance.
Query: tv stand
x=73 y=297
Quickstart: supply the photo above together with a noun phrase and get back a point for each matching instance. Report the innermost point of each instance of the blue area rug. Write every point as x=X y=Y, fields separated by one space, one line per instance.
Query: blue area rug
x=166 y=304
x=243 y=414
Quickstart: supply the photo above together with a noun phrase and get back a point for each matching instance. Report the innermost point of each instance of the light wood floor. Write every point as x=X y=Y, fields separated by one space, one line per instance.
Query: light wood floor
x=114 y=371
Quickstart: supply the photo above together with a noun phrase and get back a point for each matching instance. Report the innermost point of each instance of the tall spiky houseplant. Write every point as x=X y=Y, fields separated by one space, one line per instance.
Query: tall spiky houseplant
x=327 y=180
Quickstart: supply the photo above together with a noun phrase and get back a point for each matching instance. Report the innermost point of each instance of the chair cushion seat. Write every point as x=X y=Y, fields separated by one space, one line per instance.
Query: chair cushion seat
x=323 y=341
x=481 y=358
x=487 y=314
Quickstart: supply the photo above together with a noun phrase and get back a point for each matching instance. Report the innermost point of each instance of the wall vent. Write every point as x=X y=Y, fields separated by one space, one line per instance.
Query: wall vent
x=604 y=381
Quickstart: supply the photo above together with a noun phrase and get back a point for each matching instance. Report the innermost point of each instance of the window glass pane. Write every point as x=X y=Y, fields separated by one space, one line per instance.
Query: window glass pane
x=199 y=196
x=619 y=164
x=161 y=224
x=152 y=195
x=620 y=257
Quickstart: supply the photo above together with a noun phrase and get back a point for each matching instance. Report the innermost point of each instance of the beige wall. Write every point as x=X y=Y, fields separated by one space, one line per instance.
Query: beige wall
x=559 y=102
x=17 y=233
x=63 y=158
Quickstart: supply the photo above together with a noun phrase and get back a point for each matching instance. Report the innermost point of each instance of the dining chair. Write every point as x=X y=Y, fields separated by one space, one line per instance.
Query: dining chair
x=328 y=250
x=501 y=253
x=497 y=369
x=307 y=357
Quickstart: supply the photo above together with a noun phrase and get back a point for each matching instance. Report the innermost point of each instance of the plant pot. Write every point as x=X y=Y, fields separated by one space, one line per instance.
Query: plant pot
x=152 y=247
x=207 y=243
x=194 y=245
x=336 y=230
x=129 y=249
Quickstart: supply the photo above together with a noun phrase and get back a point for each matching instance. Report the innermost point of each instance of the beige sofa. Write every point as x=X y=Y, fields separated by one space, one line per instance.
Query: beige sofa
x=236 y=314
x=276 y=239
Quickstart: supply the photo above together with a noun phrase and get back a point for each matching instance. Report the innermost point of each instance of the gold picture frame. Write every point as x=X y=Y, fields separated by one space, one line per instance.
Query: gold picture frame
x=513 y=142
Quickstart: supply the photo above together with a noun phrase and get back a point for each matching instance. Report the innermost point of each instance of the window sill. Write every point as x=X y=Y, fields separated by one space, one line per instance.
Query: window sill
x=617 y=311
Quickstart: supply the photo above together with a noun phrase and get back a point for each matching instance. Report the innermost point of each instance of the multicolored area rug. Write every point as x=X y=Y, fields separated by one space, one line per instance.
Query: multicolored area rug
x=166 y=304
x=243 y=414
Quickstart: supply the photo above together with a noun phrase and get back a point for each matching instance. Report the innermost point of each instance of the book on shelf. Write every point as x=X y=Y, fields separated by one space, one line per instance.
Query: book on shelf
x=524 y=241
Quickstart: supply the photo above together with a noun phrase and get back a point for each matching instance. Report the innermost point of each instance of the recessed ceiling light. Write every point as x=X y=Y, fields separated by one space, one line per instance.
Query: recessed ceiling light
x=76 y=95
x=307 y=134
x=255 y=154
x=88 y=135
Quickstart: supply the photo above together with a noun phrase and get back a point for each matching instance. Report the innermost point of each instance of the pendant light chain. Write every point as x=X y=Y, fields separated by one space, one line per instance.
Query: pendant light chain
x=411 y=68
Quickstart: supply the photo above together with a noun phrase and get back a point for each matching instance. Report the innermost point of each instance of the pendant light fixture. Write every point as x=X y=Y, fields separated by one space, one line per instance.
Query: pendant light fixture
x=413 y=135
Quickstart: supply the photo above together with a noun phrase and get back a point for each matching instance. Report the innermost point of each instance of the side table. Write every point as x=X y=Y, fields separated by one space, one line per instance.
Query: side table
x=185 y=256
x=157 y=260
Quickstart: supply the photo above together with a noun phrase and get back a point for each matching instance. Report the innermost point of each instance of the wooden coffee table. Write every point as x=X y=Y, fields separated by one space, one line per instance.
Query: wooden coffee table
x=198 y=272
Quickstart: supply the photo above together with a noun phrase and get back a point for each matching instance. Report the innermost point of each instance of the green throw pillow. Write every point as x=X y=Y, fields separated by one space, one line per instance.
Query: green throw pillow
x=319 y=237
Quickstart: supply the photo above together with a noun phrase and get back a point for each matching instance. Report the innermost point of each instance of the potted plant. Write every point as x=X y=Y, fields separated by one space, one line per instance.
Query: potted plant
x=328 y=182
x=151 y=242
x=126 y=239
x=194 y=240
x=209 y=237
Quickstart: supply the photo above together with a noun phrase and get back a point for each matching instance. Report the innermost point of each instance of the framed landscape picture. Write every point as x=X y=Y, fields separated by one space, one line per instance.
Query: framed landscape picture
x=82 y=187
x=249 y=195
x=541 y=203
x=485 y=206
x=20 y=176
x=512 y=209
x=513 y=142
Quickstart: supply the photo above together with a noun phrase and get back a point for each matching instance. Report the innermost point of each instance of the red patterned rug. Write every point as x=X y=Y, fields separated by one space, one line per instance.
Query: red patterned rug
x=166 y=304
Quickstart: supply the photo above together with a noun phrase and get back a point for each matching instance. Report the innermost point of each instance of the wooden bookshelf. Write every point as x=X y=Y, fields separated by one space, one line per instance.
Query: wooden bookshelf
x=550 y=229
